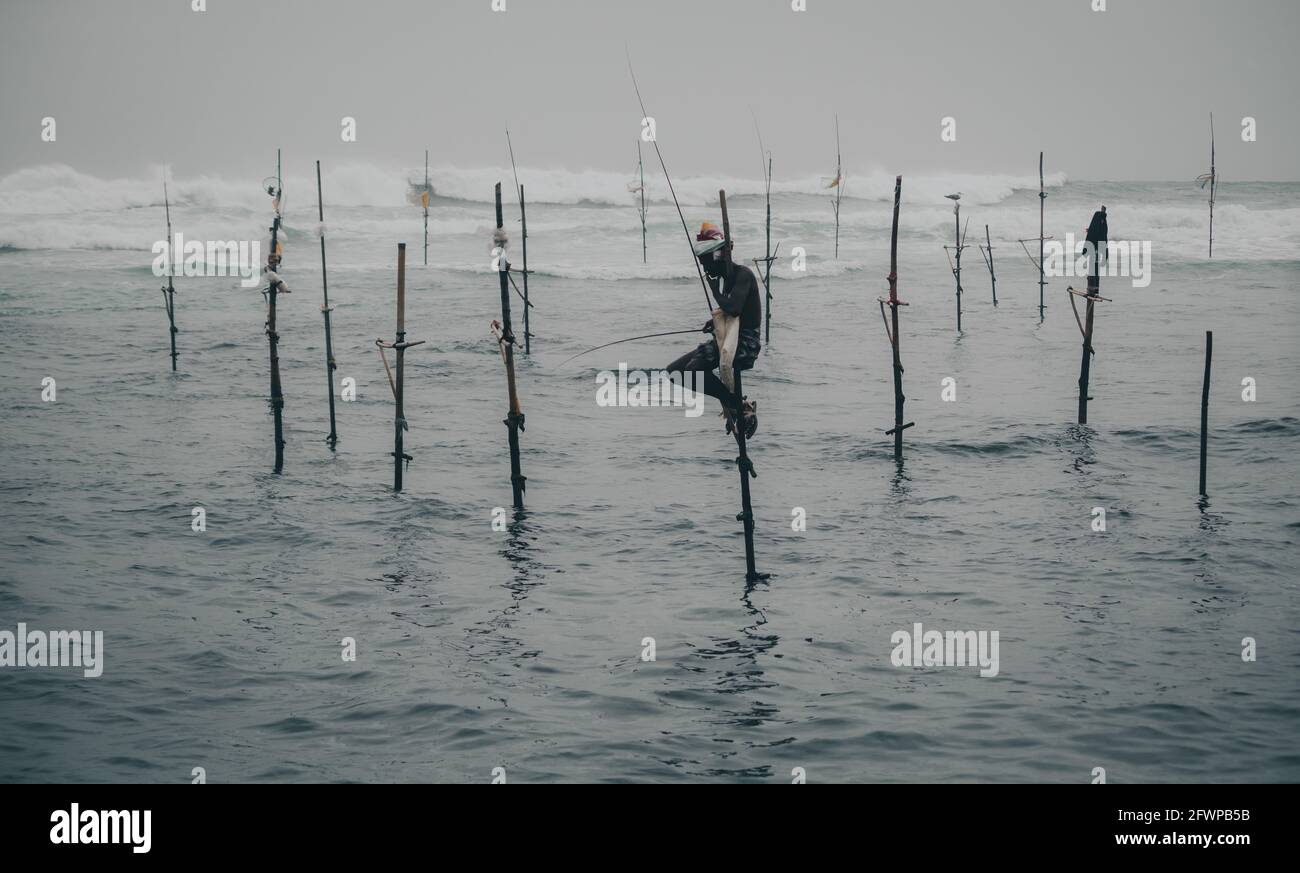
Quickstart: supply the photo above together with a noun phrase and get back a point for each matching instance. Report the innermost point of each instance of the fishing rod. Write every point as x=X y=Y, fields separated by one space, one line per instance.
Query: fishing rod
x=523 y=235
x=169 y=293
x=655 y=142
x=628 y=340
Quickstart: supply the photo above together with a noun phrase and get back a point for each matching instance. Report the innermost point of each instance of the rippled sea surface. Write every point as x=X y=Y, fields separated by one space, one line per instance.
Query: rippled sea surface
x=479 y=648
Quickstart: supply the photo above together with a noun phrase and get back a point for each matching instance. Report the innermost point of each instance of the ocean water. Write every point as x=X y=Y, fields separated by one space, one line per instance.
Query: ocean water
x=522 y=648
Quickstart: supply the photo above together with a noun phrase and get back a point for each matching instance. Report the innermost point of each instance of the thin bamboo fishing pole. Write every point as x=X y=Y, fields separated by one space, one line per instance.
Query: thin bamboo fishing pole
x=699 y=271
x=326 y=309
x=169 y=293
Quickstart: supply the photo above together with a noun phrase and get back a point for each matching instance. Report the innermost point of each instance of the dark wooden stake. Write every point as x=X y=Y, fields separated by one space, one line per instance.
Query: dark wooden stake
x=641 y=169
x=958 y=244
x=169 y=293
x=326 y=309
x=273 y=339
x=768 y=258
x=514 y=420
x=1211 y=179
x=1092 y=297
x=1042 y=201
x=1205 y=404
x=400 y=345
x=523 y=235
x=893 y=302
x=424 y=196
x=743 y=463
x=839 y=186
x=987 y=251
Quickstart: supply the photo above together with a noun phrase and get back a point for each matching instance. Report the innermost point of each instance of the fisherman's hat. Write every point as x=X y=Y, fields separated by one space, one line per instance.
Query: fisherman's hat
x=708 y=240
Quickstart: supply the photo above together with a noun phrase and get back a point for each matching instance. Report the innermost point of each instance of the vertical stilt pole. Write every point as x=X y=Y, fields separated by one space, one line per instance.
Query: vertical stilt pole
x=893 y=302
x=1205 y=404
x=641 y=169
x=839 y=186
x=399 y=420
x=398 y=385
x=1042 y=200
x=326 y=309
x=514 y=420
x=956 y=239
x=523 y=233
x=169 y=293
x=746 y=468
x=767 y=260
x=425 y=198
x=993 y=278
x=1094 y=290
x=273 y=338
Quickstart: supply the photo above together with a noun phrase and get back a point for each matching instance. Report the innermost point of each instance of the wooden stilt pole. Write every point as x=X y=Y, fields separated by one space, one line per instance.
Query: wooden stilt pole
x=764 y=265
x=768 y=258
x=1093 y=295
x=1042 y=201
x=400 y=345
x=839 y=185
x=169 y=292
x=424 y=196
x=1212 y=180
x=893 y=302
x=514 y=420
x=641 y=169
x=273 y=339
x=1205 y=405
x=326 y=309
x=523 y=234
x=743 y=463
x=987 y=252
x=959 y=243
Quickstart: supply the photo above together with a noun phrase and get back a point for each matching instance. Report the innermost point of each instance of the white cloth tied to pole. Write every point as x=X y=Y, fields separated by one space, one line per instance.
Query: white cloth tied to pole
x=726 y=333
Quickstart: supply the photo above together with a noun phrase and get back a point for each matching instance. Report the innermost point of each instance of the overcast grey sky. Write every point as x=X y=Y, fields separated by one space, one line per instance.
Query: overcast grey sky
x=1120 y=94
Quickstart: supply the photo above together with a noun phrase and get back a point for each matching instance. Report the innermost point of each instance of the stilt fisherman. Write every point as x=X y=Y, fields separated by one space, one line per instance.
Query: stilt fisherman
x=734 y=344
x=1096 y=248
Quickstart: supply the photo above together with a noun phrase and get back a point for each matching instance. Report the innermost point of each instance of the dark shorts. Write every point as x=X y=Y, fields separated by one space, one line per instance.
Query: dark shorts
x=705 y=356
